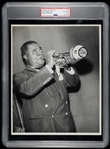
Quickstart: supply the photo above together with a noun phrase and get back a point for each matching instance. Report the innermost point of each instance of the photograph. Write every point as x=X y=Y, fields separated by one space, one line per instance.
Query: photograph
x=56 y=79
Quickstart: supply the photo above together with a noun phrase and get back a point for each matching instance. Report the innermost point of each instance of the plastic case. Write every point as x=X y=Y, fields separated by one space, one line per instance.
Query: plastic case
x=67 y=24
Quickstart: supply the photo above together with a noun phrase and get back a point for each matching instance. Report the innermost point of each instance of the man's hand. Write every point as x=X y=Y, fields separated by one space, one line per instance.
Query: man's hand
x=50 y=59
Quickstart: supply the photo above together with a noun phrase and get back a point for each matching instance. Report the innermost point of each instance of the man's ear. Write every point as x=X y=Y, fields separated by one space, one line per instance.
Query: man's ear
x=25 y=57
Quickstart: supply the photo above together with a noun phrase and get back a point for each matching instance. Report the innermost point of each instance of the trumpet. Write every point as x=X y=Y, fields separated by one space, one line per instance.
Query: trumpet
x=75 y=54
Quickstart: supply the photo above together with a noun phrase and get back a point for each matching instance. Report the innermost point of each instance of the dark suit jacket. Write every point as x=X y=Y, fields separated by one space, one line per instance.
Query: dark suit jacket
x=45 y=102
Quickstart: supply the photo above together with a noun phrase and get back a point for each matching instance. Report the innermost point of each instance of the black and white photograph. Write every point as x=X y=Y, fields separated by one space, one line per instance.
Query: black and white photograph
x=56 y=79
x=55 y=74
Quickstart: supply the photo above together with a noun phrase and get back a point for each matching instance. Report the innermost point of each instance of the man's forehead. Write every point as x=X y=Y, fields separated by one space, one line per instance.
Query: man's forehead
x=33 y=45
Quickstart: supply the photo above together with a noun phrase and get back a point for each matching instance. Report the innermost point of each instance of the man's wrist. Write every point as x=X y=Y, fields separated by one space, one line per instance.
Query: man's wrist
x=70 y=70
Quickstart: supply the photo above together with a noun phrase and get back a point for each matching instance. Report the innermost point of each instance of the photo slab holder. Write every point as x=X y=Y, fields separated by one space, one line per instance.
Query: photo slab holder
x=31 y=15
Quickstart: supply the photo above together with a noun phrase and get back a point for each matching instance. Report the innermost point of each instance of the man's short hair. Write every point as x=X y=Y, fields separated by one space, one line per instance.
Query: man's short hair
x=24 y=48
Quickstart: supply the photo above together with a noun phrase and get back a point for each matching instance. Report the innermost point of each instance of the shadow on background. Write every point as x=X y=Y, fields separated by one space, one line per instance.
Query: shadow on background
x=84 y=66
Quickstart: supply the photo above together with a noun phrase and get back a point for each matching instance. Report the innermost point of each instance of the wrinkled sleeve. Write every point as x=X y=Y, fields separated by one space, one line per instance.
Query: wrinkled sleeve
x=30 y=86
x=71 y=77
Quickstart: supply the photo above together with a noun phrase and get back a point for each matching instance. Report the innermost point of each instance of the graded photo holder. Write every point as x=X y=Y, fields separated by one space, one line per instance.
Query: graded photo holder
x=55 y=74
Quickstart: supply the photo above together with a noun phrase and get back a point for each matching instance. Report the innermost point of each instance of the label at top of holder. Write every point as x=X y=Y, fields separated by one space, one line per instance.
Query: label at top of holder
x=55 y=12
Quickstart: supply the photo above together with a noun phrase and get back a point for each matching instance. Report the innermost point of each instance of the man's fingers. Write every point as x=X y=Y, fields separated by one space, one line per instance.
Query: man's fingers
x=51 y=52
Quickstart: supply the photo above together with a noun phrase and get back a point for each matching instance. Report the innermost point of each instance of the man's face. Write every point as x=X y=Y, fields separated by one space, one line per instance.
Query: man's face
x=35 y=55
